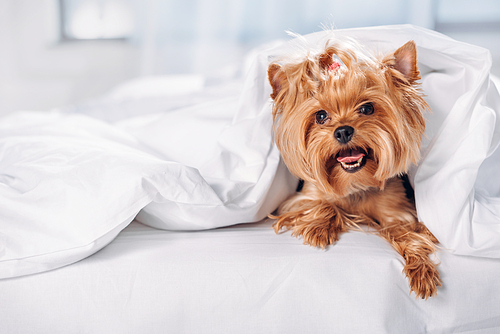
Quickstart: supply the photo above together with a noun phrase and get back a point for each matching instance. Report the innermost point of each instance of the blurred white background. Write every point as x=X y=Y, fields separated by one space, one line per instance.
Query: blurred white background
x=60 y=52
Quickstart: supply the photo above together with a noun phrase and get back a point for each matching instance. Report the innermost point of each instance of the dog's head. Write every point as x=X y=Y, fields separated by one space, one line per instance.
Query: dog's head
x=347 y=122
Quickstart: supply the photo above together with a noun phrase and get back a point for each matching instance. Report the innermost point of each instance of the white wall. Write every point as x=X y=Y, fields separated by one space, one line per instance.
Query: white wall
x=38 y=72
x=182 y=36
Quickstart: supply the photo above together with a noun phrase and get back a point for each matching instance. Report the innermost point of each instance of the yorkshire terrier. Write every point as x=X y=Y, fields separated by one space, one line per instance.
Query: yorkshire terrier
x=350 y=125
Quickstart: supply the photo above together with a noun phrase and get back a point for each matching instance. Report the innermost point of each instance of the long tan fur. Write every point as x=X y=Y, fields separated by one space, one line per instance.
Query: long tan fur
x=334 y=199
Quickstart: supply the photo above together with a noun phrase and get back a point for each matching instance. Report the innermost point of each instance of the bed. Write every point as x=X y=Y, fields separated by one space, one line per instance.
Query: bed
x=245 y=279
x=144 y=211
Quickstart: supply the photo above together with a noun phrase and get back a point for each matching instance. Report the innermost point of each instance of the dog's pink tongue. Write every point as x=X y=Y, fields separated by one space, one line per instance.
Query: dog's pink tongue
x=349 y=156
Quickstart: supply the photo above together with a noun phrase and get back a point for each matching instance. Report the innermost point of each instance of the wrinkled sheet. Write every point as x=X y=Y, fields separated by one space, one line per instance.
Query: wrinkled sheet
x=209 y=160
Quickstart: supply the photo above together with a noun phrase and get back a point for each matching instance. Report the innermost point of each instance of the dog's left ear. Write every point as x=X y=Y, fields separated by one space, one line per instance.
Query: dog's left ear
x=277 y=79
x=404 y=60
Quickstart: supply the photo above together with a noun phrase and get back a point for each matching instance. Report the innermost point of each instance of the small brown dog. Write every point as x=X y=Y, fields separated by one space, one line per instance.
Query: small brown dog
x=349 y=125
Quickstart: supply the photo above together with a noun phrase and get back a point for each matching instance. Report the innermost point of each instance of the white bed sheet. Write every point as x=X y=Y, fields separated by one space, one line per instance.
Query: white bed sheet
x=246 y=279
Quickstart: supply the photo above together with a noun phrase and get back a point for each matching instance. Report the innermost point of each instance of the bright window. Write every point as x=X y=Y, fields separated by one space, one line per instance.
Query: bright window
x=96 y=19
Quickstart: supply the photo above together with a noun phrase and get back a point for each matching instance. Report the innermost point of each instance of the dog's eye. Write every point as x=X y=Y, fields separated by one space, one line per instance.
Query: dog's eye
x=321 y=117
x=367 y=109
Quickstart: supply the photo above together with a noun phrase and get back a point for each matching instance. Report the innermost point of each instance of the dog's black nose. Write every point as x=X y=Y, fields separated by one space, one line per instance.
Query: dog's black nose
x=343 y=134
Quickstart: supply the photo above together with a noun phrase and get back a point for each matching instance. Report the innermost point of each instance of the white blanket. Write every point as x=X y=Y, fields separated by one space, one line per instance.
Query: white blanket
x=69 y=183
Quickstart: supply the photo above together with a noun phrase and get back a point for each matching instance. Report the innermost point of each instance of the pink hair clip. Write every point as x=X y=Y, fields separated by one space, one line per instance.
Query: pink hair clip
x=336 y=65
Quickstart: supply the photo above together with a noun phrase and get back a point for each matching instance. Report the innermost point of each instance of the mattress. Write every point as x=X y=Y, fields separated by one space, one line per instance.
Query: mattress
x=246 y=279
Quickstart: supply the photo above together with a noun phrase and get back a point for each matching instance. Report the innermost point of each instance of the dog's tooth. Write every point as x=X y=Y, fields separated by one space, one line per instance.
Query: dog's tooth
x=350 y=166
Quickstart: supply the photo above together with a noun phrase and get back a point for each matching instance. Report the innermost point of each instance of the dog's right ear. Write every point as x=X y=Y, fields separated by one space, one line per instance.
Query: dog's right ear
x=404 y=60
x=277 y=79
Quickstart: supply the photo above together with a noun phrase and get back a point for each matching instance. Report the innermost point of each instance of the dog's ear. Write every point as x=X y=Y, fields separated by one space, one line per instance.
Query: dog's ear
x=277 y=79
x=404 y=60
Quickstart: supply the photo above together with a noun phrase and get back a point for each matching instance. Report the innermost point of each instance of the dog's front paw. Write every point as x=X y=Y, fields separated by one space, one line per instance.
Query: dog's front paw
x=423 y=277
x=318 y=222
x=318 y=234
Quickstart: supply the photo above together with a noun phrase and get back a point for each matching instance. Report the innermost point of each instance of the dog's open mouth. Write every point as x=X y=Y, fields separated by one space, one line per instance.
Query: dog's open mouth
x=352 y=159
